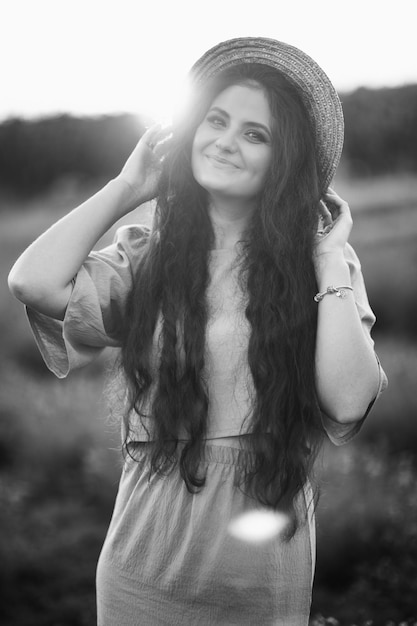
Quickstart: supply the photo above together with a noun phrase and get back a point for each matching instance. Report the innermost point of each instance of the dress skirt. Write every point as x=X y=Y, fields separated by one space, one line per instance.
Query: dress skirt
x=170 y=558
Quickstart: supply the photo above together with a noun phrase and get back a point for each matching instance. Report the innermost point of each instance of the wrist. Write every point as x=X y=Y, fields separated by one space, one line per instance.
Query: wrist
x=331 y=269
x=126 y=195
x=324 y=260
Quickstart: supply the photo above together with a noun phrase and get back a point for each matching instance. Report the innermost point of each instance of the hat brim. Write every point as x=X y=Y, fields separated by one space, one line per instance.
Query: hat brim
x=319 y=96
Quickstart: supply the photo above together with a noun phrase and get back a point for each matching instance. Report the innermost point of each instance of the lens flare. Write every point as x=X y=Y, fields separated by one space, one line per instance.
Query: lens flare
x=258 y=526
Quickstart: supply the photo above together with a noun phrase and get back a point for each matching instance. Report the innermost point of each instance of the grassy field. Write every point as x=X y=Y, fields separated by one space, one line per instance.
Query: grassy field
x=59 y=457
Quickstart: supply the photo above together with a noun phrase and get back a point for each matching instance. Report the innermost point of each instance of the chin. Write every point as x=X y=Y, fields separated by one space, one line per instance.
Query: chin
x=220 y=191
x=211 y=185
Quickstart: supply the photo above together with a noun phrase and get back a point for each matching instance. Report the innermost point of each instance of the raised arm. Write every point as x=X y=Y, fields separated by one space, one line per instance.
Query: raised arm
x=347 y=373
x=41 y=277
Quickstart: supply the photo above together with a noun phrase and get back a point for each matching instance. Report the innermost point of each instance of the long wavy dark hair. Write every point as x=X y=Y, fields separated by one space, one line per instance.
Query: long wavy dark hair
x=168 y=301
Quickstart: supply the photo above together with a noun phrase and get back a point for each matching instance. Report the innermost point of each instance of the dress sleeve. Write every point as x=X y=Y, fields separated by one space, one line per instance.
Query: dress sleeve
x=342 y=433
x=94 y=316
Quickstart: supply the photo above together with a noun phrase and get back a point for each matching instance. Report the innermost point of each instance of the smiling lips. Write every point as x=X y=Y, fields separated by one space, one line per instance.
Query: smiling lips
x=220 y=161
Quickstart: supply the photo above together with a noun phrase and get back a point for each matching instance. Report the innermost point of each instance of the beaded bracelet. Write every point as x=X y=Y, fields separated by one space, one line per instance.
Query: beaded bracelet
x=339 y=291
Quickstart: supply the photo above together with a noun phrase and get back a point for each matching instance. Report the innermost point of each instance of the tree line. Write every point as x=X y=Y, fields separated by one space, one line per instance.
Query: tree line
x=380 y=137
x=381 y=130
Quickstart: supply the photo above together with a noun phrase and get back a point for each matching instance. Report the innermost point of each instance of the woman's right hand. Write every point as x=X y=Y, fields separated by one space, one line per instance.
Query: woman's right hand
x=142 y=170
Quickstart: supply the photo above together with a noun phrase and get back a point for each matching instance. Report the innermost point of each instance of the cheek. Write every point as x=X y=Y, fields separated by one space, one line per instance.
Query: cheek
x=194 y=152
x=194 y=158
x=201 y=139
x=197 y=142
x=263 y=165
x=200 y=142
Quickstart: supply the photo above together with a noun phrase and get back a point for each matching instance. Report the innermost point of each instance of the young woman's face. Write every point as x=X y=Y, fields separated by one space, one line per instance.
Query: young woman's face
x=232 y=147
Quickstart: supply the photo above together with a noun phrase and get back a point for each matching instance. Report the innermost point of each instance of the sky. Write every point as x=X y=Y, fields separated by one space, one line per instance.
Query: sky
x=97 y=56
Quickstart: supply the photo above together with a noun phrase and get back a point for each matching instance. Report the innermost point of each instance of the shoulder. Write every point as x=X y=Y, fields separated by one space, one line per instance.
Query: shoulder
x=122 y=257
x=132 y=236
x=130 y=242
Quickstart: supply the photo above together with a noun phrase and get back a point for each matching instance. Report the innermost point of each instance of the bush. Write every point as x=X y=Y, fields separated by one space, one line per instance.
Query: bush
x=381 y=130
x=367 y=536
x=35 y=154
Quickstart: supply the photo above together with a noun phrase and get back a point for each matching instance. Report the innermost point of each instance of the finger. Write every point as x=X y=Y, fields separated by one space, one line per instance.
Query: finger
x=335 y=204
x=163 y=140
x=331 y=191
x=157 y=138
x=325 y=216
x=323 y=209
x=341 y=214
x=149 y=136
x=332 y=197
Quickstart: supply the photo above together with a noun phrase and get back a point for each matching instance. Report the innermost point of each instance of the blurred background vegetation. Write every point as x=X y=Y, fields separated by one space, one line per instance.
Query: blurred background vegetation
x=59 y=450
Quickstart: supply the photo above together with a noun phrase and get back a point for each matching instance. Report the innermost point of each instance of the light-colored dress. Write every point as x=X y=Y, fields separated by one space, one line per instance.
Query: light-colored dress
x=169 y=556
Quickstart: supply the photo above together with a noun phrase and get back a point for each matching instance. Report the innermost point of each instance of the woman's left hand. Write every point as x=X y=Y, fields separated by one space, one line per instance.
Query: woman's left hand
x=335 y=225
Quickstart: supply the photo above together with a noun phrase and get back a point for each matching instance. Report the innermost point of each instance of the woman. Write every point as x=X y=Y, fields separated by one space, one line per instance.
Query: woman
x=244 y=330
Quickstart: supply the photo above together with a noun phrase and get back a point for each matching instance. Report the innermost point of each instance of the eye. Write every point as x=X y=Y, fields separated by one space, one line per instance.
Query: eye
x=256 y=137
x=215 y=120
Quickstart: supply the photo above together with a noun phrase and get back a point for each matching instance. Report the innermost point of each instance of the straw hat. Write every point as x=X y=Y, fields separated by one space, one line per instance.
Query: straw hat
x=319 y=95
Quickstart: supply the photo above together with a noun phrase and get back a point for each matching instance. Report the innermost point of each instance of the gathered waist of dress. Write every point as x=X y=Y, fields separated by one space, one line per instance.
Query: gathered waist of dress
x=235 y=441
x=239 y=442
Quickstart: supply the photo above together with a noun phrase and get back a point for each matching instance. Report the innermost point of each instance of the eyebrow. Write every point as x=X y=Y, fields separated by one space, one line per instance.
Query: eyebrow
x=248 y=123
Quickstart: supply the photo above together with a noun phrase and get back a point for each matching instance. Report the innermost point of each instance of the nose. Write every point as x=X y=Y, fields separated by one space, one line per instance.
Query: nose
x=226 y=142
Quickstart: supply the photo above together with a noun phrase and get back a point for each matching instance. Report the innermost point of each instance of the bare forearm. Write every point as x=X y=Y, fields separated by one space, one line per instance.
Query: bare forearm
x=42 y=275
x=346 y=367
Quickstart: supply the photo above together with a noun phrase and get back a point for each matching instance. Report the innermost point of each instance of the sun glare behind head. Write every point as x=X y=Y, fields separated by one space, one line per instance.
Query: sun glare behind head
x=258 y=526
x=164 y=104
